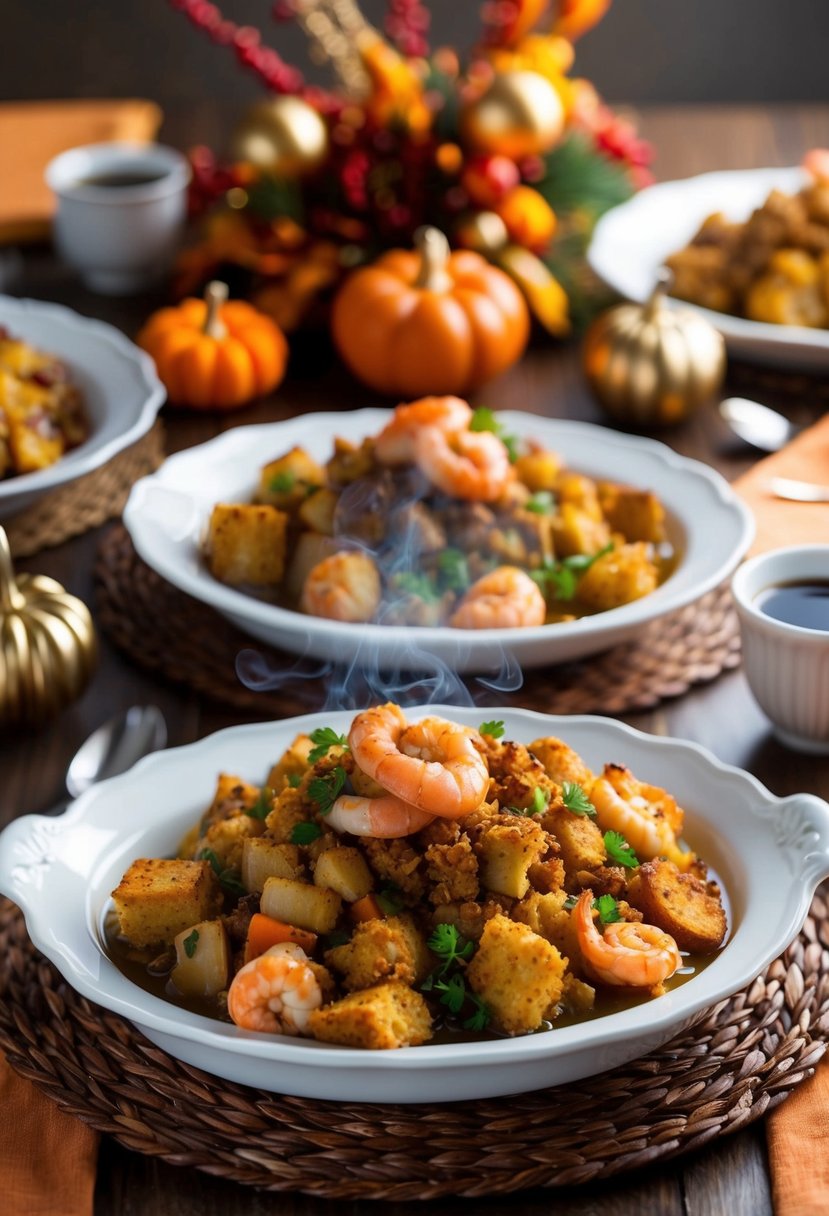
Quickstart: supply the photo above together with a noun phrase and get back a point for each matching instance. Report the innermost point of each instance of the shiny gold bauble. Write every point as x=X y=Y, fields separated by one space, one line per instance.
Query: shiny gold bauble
x=483 y=231
x=520 y=114
x=47 y=645
x=283 y=135
x=651 y=364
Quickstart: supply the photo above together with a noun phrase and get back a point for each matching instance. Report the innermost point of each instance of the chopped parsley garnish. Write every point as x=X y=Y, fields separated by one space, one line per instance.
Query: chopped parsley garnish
x=607 y=909
x=416 y=584
x=484 y=419
x=561 y=578
x=294 y=780
x=448 y=978
x=445 y=942
x=262 y=806
x=619 y=850
x=229 y=879
x=495 y=729
x=538 y=803
x=281 y=483
x=336 y=938
x=453 y=992
x=390 y=899
x=453 y=570
x=325 y=791
x=190 y=942
x=541 y=502
x=575 y=799
x=323 y=739
x=305 y=832
x=570 y=903
x=480 y=1018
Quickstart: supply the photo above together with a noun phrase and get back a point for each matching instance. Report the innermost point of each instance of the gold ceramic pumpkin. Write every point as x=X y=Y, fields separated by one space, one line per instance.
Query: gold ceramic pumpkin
x=47 y=645
x=651 y=364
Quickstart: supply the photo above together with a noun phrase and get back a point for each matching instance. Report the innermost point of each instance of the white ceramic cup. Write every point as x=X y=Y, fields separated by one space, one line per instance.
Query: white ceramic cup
x=120 y=238
x=787 y=666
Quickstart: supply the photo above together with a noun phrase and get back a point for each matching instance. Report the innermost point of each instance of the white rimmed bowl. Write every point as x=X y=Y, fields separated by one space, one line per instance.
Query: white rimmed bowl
x=787 y=666
x=769 y=852
x=167 y=513
x=121 y=391
x=631 y=242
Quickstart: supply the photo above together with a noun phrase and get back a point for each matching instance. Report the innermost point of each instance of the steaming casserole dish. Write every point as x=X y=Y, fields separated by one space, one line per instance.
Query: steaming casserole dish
x=516 y=891
x=41 y=412
x=440 y=519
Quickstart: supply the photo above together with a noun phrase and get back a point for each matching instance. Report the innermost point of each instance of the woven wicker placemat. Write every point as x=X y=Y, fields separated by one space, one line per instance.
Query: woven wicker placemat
x=85 y=503
x=191 y=644
x=738 y=1061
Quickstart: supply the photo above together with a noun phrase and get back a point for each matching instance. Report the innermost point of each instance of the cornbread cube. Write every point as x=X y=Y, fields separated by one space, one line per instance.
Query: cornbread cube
x=292 y=763
x=288 y=810
x=263 y=859
x=517 y=974
x=579 y=838
x=575 y=531
x=389 y=1015
x=538 y=470
x=285 y=482
x=158 y=898
x=232 y=796
x=227 y=838
x=547 y=916
x=301 y=904
x=506 y=852
x=637 y=514
x=623 y=575
x=246 y=544
x=391 y=949
x=576 y=996
x=344 y=870
x=560 y=762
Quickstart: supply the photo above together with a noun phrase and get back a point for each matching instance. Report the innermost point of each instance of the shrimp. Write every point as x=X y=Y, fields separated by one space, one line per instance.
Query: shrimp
x=395 y=443
x=506 y=598
x=342 y=587
x=432 y=765
x=472 y=465
x=384 y=818
x=627 y=954
x=646 y=815
x=275 y=992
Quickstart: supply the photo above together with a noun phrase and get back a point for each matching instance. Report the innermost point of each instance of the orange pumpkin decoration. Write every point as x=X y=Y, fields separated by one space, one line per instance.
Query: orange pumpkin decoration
x=429 y=322
x=214 y=353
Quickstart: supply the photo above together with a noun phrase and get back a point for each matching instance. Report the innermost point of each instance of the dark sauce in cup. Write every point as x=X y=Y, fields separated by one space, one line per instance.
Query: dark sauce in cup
x=805 y=604
x=119 y=179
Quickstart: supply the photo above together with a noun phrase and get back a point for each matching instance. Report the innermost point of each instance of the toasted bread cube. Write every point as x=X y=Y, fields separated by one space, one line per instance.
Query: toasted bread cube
x=392 y=949
x=263 y=859
x=157 y=898
x=287 y=811
x=575 y=531
x=246 y=544
x=579 y=838
x=344 y=870
x=300 y=903
x=680 y=904
x=547 y=916
x=576 y=996
x=387 y=1016
x=517 y=974
x=202 y=959
x=285 y=482
x=317 y=511
x=506 y=853
x=637 y=514
x=560 y=762
x=538 y=470
x=292 y=764
x=620 y=576
x=232 y=796
x=227 y=837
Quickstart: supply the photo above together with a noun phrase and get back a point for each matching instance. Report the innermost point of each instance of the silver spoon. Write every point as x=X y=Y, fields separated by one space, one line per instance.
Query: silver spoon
x=756 y=424
x=113 y=748
x=798 y=491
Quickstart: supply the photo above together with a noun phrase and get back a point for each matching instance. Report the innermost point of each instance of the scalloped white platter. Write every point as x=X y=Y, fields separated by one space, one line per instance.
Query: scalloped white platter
x=769 y=853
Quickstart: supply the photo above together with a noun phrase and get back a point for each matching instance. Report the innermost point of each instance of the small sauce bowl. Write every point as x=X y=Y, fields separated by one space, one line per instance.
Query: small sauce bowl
x=787 y=666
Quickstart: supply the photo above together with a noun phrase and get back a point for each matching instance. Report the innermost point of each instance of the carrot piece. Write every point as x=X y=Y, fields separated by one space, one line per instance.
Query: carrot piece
x=264 y=932
x=366 y=908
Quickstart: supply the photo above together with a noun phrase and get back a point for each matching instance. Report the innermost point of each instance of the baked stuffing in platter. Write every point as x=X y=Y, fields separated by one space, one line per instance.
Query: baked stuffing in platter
x=421 y=880
x=41 y=411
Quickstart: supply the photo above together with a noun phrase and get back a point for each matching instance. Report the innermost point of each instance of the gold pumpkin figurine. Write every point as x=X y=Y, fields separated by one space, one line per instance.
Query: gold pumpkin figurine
x=47 y=645
x=651 y=365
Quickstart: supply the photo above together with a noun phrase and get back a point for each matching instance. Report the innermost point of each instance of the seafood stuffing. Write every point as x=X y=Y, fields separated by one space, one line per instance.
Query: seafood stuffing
x=41 y=411
x=416 y=880
x=441 y=519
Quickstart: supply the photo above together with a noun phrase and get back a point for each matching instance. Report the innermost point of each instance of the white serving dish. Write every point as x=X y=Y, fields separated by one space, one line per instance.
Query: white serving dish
x=122 y=393
x=167 y=512
x=631 y=242
x=769 y=852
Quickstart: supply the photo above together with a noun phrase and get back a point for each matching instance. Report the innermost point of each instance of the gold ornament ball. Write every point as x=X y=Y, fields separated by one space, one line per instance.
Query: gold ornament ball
x=47 y=645
x=483 y=231
x=519 y=115
x=283 y=135
x=653 y=365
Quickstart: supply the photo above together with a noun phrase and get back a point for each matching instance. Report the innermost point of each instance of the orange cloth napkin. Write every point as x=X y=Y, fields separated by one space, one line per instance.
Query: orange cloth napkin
x=781 y=523
x=32 y=132
x=797 y=1132
x=47 y=1158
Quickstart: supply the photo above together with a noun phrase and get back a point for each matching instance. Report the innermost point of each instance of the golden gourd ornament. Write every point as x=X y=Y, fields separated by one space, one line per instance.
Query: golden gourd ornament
x=47 y=645
x=651 y=364
x=520 y=114
x=283 y=135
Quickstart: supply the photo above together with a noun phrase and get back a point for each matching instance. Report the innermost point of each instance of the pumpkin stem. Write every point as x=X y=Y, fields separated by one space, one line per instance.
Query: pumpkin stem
x=10 y=597
x=215 y=295
x=660 y=290
x=433 y=248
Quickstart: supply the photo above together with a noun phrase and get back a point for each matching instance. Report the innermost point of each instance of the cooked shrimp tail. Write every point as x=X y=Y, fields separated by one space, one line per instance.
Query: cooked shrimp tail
x=384 y=818
x=342 y=587
x=395 y=443
x=275 y=992
x=628 y=954
x=473 y=465
x=646 y=815
x=506 y=598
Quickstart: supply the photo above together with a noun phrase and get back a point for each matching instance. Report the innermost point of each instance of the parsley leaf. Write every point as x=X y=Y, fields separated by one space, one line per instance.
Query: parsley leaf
x=294 y=780
x=453 y=570
x=575 y=799
x=561 y=578
x=445 y=942
x=484 y=419
x=480 y=1018
x=262 y=806
x=619 y=850
x=607 y=909
x=190 y=942
x=453 y=992
x=495 y=730
x=416 y=584
x=541 y=502
x=390 y=899
x=281 y=483
x=539 y=800
x=570 y=903
x=228 y=879
x=305 y=832
x=324 y=738
x=325 y=791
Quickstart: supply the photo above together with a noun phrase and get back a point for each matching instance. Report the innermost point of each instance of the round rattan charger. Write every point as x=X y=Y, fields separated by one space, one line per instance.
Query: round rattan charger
x=192 y=644
x=736 y=1063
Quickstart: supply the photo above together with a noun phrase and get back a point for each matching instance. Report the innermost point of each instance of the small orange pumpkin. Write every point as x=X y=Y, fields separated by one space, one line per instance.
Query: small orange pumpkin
x=214 y=353
x=429 y=322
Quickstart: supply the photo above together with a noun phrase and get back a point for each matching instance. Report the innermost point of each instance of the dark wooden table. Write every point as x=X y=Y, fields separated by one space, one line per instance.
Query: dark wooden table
x=730 y=1176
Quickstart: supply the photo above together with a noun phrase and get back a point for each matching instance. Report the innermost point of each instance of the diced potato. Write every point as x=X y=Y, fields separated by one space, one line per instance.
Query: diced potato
x=623 y=575
x=538 y=470
x=157 y=898
x=680 y=904
x=637 y=514
x=299 y=903
x=246 y=544
x=202 y=959
x=386 y=1016
x=344 y=870
x=575 y=531
x=350 y=461
x=263 y=859
x=310 y=549
x=517 y=974
x=506 y=853
x=317 y=511
x=284 y=483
